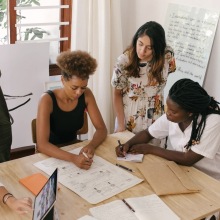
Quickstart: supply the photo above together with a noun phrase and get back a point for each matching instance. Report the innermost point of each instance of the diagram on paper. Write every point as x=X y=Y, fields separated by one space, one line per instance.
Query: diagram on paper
x=102 y=181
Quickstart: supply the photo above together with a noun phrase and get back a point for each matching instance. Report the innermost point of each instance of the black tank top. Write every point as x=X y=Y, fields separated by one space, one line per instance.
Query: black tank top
x=64 y=125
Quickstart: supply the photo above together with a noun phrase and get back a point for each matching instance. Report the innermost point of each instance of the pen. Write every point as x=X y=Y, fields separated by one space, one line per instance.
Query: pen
x=128 y=205
x=120 y=145
x=126 y=168
x=85 y=155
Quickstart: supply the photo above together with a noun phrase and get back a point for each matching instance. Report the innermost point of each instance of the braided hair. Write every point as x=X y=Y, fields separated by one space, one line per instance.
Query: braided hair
x=193 y=98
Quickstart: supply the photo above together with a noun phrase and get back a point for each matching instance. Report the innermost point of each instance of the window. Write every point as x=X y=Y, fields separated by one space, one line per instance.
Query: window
x=24 y=21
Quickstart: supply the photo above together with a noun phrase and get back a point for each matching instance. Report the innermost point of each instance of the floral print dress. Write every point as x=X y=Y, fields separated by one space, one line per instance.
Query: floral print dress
x=143 y=101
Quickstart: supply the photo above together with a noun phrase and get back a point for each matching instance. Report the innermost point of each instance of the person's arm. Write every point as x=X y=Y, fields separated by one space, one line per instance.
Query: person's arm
x=97 y=121
x=119 y=110
x=183 y=158
x=21 y=206
x=141 y=137
x=139 y=145
x=43 y=133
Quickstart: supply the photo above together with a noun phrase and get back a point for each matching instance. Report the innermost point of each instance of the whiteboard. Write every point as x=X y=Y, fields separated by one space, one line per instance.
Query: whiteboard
x=190 y=31
x=25 y=69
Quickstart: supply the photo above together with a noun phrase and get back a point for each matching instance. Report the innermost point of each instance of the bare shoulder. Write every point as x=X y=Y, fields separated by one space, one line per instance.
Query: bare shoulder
x=45 y=97
x=89 y=96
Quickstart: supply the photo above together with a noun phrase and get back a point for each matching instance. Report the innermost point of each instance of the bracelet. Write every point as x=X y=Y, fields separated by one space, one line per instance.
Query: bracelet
x=6 y=197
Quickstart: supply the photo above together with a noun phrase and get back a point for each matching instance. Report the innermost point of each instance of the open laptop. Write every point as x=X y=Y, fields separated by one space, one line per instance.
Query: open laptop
x=45 y=199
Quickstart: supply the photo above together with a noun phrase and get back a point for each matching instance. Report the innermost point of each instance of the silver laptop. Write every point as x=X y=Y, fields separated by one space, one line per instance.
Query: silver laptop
x=45 y=199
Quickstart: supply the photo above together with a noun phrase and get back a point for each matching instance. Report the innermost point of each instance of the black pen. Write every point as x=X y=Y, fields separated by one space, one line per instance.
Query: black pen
x=120 y=145
x=128 y=205
x=126 y=168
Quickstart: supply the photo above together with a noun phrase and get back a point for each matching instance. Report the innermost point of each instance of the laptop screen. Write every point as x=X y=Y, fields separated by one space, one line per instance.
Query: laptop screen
x=46 y=198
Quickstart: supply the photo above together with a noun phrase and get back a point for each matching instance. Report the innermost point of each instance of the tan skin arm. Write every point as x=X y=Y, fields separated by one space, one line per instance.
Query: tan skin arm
x=21 y=206
x=97 y=121
x=43 y=132
x=139 y=145
x=119 y=109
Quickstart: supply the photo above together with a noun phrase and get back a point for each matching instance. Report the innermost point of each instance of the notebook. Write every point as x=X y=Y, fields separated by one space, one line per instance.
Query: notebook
x=34 y=182
x=149 y=207
x=45 y=199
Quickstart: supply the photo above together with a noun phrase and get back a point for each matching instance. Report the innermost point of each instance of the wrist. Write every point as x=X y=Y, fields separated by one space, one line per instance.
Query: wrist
x=10 y=200
x=6 y=197
x=91 y=146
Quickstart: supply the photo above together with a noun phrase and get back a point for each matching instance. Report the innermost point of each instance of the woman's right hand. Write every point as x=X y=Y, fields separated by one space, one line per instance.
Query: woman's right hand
x=82 y=162
x=21 y=206
x=121 y=150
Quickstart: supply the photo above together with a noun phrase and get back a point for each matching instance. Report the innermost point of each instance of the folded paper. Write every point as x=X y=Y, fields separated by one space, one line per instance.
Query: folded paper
x=167 y=178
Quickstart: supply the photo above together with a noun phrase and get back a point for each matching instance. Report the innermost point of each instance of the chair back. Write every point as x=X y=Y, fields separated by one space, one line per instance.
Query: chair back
x=34 y=132
x=83 y=130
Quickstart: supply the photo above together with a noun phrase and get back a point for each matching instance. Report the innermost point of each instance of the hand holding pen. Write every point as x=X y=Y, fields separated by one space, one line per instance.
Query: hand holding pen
x=122 y=149
x=90 y=151
x=83 y=160
x=120 y=145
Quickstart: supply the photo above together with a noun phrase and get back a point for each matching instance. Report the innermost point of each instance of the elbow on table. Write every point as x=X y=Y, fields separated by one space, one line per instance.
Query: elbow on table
x=40 y=148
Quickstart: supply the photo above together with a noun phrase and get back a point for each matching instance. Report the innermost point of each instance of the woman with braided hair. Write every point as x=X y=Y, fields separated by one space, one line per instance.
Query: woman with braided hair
x=192 y=125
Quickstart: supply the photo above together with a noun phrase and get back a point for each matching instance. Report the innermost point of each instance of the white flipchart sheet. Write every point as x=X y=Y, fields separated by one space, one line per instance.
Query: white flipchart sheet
x=102 y=181
x=190 y=31
x=25 y=69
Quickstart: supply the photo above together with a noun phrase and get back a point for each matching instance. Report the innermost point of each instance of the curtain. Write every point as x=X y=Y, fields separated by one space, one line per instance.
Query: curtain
x=96 y=28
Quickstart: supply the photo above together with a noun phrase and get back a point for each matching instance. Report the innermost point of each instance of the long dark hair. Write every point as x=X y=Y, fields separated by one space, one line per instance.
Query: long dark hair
x=193 y=98
x=156 y=34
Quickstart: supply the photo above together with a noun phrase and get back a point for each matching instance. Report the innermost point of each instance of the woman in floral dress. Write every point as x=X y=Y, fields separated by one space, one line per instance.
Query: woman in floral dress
x=139 y=78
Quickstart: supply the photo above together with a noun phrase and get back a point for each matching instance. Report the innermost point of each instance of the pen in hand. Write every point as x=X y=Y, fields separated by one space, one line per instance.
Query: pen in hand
x=85 y=155
x=128 y=205
x=120 y=145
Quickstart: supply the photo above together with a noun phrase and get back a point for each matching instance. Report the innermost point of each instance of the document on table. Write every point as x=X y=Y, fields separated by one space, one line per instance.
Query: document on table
x=138 y=158
x=102 y=181
x=87 y=217
x=149 y=207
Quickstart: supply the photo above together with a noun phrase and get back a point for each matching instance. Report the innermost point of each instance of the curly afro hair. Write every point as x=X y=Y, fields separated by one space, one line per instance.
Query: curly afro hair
x=76 y=63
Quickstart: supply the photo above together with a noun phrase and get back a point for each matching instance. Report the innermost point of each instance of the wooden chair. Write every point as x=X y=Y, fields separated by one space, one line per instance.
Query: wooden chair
x=83 y=130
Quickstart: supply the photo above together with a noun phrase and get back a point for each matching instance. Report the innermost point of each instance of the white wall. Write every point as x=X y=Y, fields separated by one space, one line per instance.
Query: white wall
x=135 y=13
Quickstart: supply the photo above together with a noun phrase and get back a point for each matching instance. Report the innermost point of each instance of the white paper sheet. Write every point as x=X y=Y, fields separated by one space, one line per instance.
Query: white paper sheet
x=138 y=158
x=102 y=181
x=87 y=217
x=149 y=207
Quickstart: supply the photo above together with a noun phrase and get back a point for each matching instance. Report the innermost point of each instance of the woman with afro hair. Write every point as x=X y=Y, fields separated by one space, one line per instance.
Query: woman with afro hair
x=61 y=111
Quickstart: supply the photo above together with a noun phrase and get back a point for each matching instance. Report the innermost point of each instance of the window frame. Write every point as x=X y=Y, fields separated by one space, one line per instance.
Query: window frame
x=65 y=30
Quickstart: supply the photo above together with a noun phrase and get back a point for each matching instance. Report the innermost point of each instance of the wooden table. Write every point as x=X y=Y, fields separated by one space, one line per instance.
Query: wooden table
x=70 y=206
